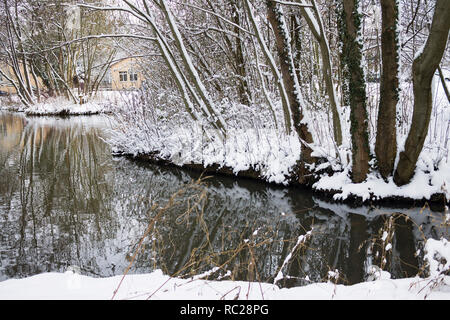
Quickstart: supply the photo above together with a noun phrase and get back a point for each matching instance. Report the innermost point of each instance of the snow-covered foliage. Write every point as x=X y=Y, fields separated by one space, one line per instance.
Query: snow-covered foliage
x=438 y=257
x=64 y=108
x=251 y=141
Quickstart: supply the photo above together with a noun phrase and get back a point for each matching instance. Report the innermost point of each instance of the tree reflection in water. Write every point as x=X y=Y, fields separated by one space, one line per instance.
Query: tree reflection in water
x=64 y=200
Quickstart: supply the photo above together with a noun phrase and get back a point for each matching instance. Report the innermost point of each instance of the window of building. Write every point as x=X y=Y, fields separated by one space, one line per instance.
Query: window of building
x=133 y=76
x=123 y=76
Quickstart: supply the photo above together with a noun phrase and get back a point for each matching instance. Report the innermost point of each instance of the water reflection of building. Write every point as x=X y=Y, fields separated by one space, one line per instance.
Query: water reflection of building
x=11 y=128
x=12 y=132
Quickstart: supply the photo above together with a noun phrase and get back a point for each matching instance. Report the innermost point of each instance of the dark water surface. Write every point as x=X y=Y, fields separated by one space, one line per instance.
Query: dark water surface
x=65 y=201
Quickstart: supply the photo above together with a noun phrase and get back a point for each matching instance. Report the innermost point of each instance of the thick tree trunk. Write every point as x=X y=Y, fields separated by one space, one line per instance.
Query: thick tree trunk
x=424 y=68
x=352 y=56
x=278 y=23
x=386 y=139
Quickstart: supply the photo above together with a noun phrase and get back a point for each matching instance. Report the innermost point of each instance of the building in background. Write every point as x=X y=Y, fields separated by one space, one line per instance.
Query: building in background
x=6 y=85
x=126 y=74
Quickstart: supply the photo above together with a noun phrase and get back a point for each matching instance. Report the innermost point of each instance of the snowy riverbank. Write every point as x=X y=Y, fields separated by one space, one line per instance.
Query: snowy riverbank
x=99 y=104
x=255 y=148
x=425 y=187
x=65 y=109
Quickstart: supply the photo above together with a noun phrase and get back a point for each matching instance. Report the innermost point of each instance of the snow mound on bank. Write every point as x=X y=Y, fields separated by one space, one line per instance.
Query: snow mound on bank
x=427 y=181
x=102 y=102
x=157 y=286
x=65 y=108
x=422 y=186
x=264 y=150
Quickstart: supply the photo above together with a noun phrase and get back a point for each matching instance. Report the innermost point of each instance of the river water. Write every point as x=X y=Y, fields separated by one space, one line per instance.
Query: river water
x=66 y=201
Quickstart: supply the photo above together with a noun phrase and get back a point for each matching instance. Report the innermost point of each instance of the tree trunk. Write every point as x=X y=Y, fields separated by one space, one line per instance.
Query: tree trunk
x=273 y=68
x=444 y=85
x=424 y=68
x=352 y=57
x=386 y=139
x=318 y=31
x=198 y=83
x=36 y=81
x=244 y=92
x=278 y=23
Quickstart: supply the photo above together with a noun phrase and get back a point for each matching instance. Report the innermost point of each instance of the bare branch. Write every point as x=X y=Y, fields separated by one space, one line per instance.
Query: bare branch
x=99 y=36
x=218 y=16
x=295 y=4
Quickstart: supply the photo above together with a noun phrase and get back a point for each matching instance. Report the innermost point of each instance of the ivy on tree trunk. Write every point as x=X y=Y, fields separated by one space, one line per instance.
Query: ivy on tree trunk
x=350 y=23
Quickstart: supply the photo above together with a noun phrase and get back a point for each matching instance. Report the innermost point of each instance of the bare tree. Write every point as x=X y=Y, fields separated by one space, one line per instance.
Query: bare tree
x=424 y=68
x=12 y=44
x=314 y=20
x=277 y=20
x=273 y=67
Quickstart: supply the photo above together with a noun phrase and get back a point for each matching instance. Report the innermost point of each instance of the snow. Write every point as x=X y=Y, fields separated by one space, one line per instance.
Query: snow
x=65 y=108
x=437 y=256
x=422 y=186
x=264 y=149
x=157 y=286
x=101 y=103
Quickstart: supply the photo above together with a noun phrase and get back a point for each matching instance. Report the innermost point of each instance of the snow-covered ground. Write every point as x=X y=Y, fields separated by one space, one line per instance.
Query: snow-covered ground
x=156 y=286
x=64 y=108
x=424 y=184
x=100 y=103
x=70 y=285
